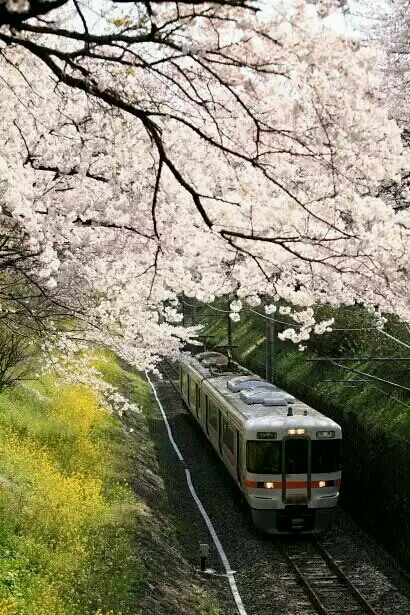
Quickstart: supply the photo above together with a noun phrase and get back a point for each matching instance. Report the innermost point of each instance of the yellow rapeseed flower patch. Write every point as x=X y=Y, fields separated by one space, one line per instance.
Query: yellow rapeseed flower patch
x=66 y=512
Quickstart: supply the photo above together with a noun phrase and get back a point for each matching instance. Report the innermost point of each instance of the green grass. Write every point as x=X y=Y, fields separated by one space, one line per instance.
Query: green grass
x=67 y=514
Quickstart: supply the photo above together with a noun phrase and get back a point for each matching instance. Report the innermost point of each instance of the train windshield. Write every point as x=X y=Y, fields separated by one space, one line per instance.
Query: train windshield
x=264 y=457
x=296 y=456
x=326 y=456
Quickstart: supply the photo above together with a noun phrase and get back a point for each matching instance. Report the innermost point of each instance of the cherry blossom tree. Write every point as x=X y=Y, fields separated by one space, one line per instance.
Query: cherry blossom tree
x=396 y=37
x=390 y=26
x=385 y=23
x=158 y=148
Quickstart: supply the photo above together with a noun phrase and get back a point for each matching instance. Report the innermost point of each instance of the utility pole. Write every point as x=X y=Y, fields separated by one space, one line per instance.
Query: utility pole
x=270 y=349
x=183 y=312
x=193 y=310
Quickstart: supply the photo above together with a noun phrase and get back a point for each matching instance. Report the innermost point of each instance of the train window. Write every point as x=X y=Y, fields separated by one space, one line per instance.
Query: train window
x=192 y=393
x=296 y=456
x=326 y=455
x=184 y=384
x=228 y=436
x=203 y=401
x=213 y=415
x=264 y=457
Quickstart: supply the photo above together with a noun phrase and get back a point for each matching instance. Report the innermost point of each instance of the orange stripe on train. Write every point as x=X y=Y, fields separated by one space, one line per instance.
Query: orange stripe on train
x=295 y=484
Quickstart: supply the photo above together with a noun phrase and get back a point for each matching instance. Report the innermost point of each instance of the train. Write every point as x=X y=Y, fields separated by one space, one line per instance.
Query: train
x=284 y=456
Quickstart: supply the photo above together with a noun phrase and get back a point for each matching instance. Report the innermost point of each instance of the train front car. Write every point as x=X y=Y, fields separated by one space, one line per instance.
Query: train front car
x=293 y=471
x=283 y=454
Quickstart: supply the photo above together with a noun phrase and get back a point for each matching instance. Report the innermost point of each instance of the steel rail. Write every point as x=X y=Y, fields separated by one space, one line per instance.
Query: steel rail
x=314 y=598
x=314 y=595
x=168 y=377
x=337 y=570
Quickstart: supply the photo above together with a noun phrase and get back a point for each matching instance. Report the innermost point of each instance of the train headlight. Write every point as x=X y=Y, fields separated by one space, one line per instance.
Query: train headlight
x=269 y=485
x=298 y=432
x=322 y=483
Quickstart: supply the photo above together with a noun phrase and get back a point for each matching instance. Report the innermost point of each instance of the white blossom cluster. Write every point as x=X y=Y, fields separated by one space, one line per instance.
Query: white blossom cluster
x=292 y=212
x=17 y=6
x=236 y=307
x=305 y=325
x=74 y=363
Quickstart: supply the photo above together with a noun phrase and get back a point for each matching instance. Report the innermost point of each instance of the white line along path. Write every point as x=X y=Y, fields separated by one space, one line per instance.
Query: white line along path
x=229 y=573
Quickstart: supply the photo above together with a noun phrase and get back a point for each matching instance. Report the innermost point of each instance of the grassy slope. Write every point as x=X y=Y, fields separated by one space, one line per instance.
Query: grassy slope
x=375 y=417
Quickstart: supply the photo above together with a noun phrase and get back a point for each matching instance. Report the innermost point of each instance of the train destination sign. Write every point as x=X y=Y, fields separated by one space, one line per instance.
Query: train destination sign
x=266 y=435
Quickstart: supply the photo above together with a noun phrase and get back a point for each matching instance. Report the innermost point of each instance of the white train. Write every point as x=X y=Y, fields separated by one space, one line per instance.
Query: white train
x=283 y=455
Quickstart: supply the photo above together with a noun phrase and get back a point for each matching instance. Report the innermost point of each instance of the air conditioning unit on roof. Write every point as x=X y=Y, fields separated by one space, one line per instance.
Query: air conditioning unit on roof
x=278 y=399
x=206 y=355
x=261 y=392
x=243 y=382
x=215 y=361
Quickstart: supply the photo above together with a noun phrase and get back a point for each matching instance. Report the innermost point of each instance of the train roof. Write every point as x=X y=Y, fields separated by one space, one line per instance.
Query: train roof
x=258 y=416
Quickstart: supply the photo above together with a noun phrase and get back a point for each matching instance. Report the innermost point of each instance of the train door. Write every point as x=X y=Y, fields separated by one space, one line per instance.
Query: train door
x=197 y=400
x=238 y=455
x=213 y=422
x=220 y=431
x=296 y=470
x=189 y=390
x=184 y=385
x=192 y=396
x=229 y=447
x=206 y=413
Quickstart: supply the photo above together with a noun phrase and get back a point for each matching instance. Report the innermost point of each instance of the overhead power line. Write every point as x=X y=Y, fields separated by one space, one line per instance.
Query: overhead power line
x=371 y=376
x=394 y=338
x=297 y=325
x=359 y=359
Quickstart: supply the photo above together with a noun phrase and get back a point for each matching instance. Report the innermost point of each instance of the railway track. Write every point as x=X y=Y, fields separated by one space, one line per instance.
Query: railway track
x=171 y=373
x=328 y=588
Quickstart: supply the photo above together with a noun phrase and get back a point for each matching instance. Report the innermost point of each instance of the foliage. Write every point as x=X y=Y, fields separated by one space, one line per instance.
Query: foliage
x=67 y=518
x=16 y=357
x=386 y=24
